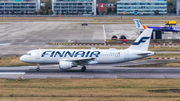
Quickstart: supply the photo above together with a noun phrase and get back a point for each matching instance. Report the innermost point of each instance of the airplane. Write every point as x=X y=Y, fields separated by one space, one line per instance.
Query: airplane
x=69 y=58
x=168 y=29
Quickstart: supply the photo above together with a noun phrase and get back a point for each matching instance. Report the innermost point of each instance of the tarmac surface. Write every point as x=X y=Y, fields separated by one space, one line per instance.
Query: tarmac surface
x=16 y=38
x=26 y=36
x=94 y=71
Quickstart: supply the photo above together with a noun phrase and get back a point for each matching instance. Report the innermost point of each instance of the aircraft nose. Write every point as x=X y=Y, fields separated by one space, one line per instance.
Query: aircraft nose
x=22 y=58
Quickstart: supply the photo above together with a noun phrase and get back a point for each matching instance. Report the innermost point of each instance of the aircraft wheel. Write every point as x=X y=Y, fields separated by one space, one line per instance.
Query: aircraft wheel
x=83 y=69
x=38 y=69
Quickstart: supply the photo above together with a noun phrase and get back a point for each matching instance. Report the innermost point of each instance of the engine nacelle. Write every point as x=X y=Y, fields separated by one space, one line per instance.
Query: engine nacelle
x=66 y=64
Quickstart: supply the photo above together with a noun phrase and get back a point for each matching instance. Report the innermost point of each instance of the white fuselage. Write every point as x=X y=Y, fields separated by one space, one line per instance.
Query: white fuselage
x=102 y=56
x=68 y=58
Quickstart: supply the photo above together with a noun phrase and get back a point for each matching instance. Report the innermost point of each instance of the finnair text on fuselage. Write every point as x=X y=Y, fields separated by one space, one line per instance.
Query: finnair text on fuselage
x=71 y=54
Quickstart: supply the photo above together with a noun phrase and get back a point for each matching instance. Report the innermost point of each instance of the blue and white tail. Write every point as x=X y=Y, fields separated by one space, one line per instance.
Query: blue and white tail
x=138 y=24
x=142 y=42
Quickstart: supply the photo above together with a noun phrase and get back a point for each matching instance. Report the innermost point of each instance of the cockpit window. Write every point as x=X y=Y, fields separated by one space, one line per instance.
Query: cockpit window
x=28 y=54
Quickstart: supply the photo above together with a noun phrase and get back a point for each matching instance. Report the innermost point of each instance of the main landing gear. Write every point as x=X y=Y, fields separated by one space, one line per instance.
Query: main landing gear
x=83 y=69
x=38 y=69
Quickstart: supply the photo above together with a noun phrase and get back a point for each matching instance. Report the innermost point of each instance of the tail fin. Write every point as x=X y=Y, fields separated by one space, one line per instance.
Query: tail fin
x=138 y=24
x=142 y=42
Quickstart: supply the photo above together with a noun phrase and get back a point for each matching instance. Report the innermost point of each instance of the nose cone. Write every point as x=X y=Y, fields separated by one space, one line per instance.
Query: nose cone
x=22 y=58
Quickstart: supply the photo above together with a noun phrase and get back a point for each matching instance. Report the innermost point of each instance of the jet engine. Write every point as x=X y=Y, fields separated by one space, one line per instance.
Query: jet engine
x=67 y=64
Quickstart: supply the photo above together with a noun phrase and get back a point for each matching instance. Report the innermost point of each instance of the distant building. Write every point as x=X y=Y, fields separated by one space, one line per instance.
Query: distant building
x=171 y=9
x=42 y=4
x=101 y=7
x=110 y=6
x=74 y=7
x=178 y=7
x=19 y=6
x=146 y=7
x=104 y=5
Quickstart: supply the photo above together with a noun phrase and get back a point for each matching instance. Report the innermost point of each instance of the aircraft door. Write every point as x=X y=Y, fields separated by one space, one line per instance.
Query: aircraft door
x=37 y=56
x=126 y=55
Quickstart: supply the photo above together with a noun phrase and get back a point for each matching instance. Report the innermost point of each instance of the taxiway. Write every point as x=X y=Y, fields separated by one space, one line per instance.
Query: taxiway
x=94 y=71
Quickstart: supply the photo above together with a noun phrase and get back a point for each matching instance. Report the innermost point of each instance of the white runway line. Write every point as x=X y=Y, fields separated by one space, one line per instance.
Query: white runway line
x=104 y=35
x=5 y=44
x=70 y=19
x=10 y=73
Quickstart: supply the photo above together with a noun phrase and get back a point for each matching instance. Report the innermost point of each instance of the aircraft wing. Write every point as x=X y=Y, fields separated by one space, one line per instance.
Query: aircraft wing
x=80 y=61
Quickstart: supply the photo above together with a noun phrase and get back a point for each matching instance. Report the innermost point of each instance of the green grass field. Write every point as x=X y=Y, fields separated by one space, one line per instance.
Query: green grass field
x=90 y=89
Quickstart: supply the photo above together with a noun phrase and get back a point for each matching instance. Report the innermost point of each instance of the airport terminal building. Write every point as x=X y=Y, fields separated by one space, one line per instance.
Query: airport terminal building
x=144 y=7
x=19 y=6
x=74 y=7
x=178 y=7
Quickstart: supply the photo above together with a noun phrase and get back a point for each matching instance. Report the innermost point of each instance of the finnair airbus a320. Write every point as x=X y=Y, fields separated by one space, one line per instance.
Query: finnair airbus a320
x=69 y=58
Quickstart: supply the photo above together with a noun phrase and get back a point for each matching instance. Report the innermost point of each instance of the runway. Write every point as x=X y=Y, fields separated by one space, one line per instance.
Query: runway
x=94 y=71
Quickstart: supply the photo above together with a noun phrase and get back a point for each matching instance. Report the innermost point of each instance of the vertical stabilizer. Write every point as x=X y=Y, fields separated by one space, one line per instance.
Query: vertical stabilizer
x=138 y=24
x=142 y=42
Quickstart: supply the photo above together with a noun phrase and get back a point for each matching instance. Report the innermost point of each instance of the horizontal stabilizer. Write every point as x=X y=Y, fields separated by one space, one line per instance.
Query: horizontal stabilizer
x=143 y=53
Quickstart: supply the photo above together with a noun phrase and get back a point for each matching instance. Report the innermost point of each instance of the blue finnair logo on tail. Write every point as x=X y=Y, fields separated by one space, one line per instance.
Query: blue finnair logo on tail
x=142 y=40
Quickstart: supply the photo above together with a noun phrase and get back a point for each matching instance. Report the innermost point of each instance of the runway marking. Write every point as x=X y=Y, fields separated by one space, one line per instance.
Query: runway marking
x=12 y=73
x=5 y=44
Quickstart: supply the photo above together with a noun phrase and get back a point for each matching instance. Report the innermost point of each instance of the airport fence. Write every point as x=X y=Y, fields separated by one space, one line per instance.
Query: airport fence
x=115 y=45
x=108 y=42
x=165 y=58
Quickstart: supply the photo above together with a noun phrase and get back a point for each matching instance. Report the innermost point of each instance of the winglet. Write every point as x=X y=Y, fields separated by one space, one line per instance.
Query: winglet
x=142 y=42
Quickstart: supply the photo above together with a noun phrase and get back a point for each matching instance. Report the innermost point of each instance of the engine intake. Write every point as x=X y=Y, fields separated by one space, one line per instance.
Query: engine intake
x=67 y=64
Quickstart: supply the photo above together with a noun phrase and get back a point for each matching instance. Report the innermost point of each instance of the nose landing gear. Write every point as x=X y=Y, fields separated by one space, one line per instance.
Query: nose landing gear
x=38 y=69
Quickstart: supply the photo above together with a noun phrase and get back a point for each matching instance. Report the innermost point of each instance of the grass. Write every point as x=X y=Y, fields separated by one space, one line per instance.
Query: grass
x=87 y=99
x=164 y=56
x=156 y=65
x=21 y=80
x=89 y=89
x=164 y=49
x=12 y=61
